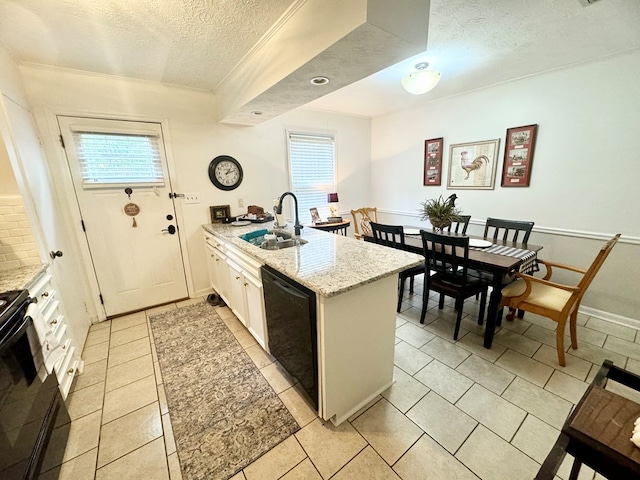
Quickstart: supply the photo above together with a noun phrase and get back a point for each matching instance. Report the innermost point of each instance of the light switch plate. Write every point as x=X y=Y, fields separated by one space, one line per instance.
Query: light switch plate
x=191 y=198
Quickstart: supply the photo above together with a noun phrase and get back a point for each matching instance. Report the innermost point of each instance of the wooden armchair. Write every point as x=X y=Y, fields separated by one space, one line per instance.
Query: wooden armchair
x=554 y=300
x=362 y=218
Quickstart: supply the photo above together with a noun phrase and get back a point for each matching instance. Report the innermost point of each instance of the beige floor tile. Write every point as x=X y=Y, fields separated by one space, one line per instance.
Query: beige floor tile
x=588 y=335
x=623 y=347
x=405 y=392
x=541 y=321
x=475 y=344
x=470 y=322
x=136 y=332
x=148 y=461
x=128 y=398
x=535 y=438
x=299 y=408
x=412 y=314
x=330 y=447
x=443 y=380
x=367 y=465
x=564 y=471
x=525 y=346
x=259 y=356
x=576 y=367
x=486 y=374
x=85 y=401
x=400 y=321
x=174 y=468
x=124 y=353
x=364 y=408
x=445 y=423
x=426 y=460
x=169 y=439
x=162 y=399
x=498 y=415
x=94 y=337
x=541 y=403
x=129 y=372
x=232 y=322
x=535 y=372
x=245 y=339
x=542 y=335
x=127 y=321
x=237 y=476
x=414 y=335
x=409 y=358
x=633 y=366
x=444 y=329
x=190 y=301
x=446 y=352
x=100 y=325
x=82 y=467
x=490 y=457
x=277 y=377
x=83 y=435
x=128 y=433
x=611 y=328
x=277 y=461
x=303 y=471
x=95 y=353
x=623 y=391
x=387 y=430
x=518 y=325
x=566 y=386
x=597 y=355
x=91 y=374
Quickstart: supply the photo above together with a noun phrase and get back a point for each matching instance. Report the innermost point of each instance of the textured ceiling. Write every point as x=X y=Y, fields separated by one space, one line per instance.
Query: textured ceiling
x=197 y=43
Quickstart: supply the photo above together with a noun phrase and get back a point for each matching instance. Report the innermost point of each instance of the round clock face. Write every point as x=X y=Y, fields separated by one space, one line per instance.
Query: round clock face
x=225 y=172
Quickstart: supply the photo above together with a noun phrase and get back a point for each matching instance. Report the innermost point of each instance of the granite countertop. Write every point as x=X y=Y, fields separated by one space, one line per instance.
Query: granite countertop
x=19 y=278
x=329 y=264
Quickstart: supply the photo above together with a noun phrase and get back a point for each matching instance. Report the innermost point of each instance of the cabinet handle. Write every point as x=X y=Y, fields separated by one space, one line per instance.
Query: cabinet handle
x=54 y=321
x=70 y=371
x=237 y=278
x=64 y=347
x=208 y=238
x=45 y=294
x=246 y=284
x=217 y=259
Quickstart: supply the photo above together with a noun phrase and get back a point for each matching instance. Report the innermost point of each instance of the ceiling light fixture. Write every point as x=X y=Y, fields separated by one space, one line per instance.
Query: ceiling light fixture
x=421 y=81
x=319 y=81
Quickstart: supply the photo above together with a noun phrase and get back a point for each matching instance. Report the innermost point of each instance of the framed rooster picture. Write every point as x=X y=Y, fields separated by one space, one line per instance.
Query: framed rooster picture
x=473 y=165
x=518 y=156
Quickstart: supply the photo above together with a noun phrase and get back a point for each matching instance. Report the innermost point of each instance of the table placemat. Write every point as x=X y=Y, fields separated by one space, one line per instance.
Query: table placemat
x=529 y=259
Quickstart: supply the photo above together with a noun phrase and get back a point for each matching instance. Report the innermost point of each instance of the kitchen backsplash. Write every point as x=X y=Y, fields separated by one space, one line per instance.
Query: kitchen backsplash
x=17 y=245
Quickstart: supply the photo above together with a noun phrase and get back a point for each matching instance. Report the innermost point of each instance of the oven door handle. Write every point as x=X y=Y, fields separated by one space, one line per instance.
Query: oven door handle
x=14 y=334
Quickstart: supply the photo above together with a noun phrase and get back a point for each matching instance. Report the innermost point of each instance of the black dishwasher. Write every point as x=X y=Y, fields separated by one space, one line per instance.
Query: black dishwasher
x=291 y=328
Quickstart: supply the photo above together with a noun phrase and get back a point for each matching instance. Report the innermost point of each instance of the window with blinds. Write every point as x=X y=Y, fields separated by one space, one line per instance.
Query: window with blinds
x=312 y=167
x=116 y=159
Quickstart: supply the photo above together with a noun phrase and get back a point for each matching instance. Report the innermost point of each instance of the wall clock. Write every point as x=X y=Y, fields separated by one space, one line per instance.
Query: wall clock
x=225 y=172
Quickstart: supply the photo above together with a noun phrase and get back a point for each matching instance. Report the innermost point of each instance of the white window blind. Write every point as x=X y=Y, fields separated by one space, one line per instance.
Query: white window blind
x=110 y=159
x=312 y=169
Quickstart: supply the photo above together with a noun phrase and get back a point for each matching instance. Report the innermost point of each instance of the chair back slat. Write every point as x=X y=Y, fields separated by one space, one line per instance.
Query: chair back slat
x=461 y=225
x=388 y=235
x=508 y=230
x=591 y=272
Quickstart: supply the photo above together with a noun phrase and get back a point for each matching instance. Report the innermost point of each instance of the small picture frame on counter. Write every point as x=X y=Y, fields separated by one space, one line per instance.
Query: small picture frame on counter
x=315 y=216
x=220 y=213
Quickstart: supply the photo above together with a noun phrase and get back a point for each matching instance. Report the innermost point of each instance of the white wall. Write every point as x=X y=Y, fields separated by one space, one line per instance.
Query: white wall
x=194 y=139
x=584 y=183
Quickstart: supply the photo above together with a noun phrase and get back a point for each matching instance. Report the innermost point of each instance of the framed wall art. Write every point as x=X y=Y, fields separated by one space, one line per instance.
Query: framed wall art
x=219 y=213
x=473 y=165
x=433 y=161
x=518 y=156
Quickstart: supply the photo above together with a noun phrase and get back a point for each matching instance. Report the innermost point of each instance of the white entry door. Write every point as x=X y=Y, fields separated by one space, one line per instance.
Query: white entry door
x=121 y=181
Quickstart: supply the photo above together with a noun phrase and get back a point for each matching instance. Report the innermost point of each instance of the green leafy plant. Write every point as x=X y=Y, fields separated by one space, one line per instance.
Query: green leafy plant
x=440 y=212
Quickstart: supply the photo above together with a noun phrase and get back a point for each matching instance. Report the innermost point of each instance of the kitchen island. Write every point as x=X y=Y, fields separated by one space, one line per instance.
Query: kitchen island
x=356 y=287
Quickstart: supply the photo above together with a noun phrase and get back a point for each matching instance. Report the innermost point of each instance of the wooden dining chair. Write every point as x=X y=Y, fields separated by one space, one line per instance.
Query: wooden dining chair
x=338 y=228
x=362 y=218
x=448 y=258
x=461 y=225
x=393 y=236
x=557 y=301
x=508 y=230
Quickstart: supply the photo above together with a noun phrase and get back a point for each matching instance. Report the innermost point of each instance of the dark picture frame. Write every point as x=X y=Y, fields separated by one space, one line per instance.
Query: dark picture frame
x=433 y=162
x=472 y=165
x=518 y=156
x=220 y=213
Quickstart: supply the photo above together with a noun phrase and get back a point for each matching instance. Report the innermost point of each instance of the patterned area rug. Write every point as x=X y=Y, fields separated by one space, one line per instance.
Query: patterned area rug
x=224 y=413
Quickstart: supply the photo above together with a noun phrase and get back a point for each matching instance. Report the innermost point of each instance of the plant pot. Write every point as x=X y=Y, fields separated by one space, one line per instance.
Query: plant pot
x=439 y=224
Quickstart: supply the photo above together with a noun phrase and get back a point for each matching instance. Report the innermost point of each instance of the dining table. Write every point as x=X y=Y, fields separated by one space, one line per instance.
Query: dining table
x=490 y=259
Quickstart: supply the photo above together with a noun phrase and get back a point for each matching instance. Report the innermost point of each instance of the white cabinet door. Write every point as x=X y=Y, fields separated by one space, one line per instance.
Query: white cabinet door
x=255 y=309
x=221 y=275
x=212 y=267
x=237 y=302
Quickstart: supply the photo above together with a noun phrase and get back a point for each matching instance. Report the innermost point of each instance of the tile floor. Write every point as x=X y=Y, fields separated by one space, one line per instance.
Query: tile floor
x=455 y=411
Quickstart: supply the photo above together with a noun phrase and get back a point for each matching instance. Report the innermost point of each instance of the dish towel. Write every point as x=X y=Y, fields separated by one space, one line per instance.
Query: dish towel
x=42 y=340
x=529 y=263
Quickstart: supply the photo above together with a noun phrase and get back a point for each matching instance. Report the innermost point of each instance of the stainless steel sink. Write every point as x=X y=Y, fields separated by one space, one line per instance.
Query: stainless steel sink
x=290 y=242
x=285 y=240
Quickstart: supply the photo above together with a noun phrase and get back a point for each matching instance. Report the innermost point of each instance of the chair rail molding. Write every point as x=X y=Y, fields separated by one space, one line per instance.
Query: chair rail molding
x=540 y=229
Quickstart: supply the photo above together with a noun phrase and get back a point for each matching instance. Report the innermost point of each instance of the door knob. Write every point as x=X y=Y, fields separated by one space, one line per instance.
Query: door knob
x=170 y=229
x=53 y=254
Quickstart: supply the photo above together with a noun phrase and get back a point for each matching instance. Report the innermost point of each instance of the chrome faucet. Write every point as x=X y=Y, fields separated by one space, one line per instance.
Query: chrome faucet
x=297 y=227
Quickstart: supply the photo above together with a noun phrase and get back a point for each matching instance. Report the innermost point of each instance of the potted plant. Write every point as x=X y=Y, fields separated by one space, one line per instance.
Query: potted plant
x=440 y=211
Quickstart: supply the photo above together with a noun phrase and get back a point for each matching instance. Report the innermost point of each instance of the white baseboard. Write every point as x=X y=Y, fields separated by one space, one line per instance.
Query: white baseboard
x=611 y=317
